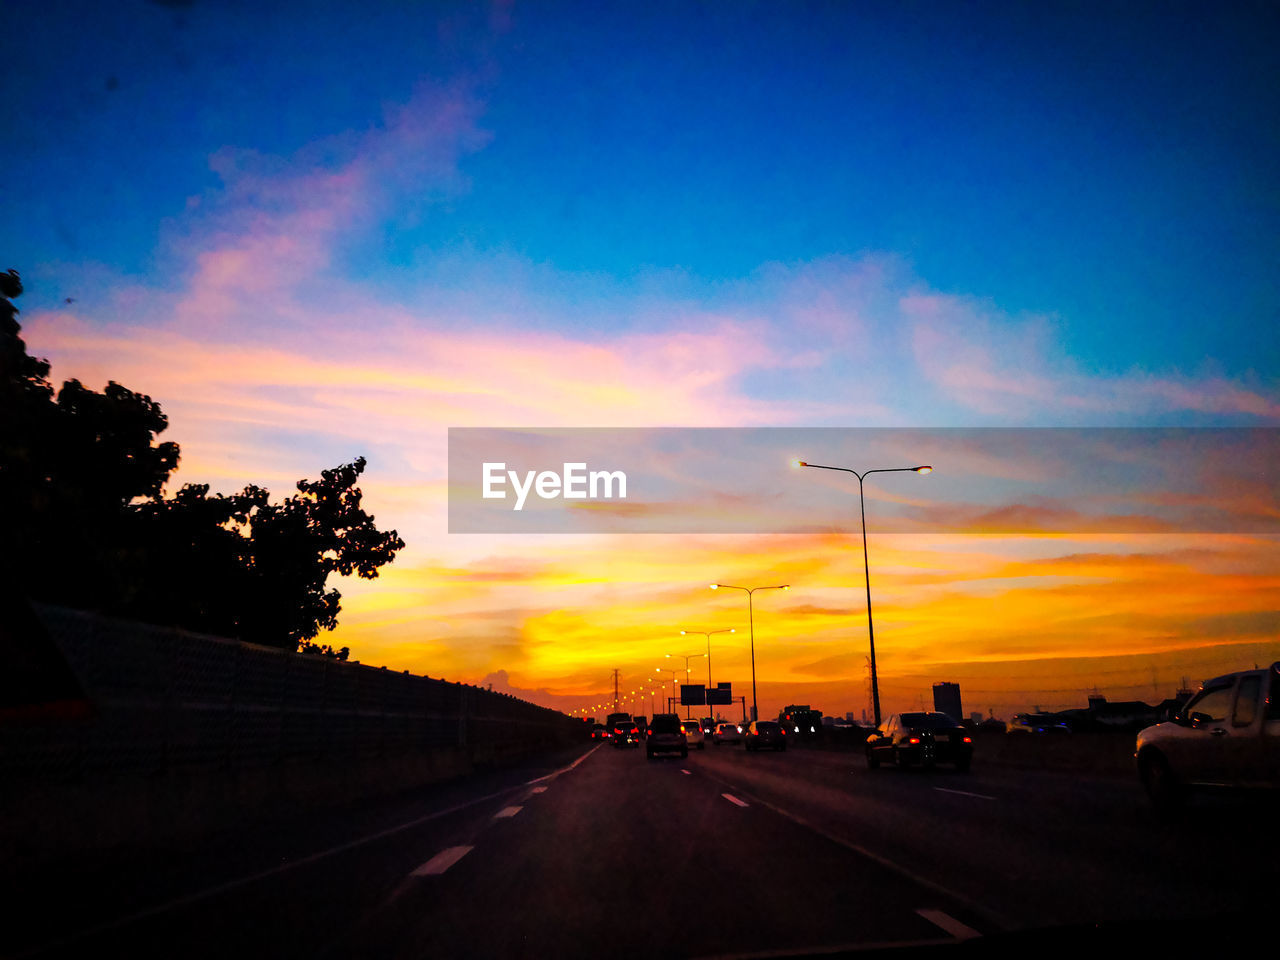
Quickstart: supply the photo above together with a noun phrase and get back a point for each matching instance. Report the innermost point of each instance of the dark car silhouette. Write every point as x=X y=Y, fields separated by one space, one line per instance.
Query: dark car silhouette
x=925 y=739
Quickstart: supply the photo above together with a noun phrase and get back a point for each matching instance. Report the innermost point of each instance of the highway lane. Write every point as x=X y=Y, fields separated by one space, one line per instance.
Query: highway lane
x=1034 y=848
x=631 y=857
x=287 y=886
x=617 y=852
x=721 y=854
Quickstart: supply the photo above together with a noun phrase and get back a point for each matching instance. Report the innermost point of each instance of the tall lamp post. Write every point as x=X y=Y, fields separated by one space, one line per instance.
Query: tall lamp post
x=751 y=627
x=707 y=634
x=671 y=702
x=687 y=658
x=871 y=634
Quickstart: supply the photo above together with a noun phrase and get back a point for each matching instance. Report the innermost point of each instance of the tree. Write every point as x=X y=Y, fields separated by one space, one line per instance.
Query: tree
x=257 y=570
x=82 y=483
x=69 y=466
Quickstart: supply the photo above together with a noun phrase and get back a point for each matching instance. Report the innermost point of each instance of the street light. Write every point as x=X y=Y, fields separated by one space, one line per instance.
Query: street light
x=653 y=707
x=707 y=634
x=673 y=682
x=686 y=670
x=871 y=634
x=755 y=706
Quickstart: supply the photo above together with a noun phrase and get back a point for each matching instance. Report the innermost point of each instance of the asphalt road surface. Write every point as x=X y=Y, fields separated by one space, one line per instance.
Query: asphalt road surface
x=600 y=852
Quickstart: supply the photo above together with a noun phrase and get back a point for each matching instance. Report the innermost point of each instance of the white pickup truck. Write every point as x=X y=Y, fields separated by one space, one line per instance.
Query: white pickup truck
x=1227 y=735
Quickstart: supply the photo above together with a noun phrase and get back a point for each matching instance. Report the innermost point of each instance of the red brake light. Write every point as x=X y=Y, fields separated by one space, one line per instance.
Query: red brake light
x=913 y=740
x=968 y=739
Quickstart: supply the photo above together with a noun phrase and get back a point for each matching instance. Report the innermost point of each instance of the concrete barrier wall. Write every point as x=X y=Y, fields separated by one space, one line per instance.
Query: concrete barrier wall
x=187 y=733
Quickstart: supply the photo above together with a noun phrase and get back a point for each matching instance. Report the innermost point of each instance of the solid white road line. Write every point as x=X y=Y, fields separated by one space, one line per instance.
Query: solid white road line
x=229 y=885
x=441 y=862
x=965 y=793
x=506 y=812
x=732 y=799
x=949 y=924
x=556 y=773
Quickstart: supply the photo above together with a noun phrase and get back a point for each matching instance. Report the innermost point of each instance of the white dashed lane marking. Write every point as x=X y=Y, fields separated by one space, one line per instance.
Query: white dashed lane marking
x=732 y=799
x=949 y=924
x=507 y=812
x=441 y=862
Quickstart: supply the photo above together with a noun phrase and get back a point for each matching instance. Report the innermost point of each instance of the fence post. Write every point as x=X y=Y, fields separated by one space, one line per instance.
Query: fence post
x=464 y=709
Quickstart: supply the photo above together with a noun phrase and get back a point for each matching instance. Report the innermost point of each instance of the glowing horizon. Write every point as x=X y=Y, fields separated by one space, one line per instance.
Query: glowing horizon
x=473 y=235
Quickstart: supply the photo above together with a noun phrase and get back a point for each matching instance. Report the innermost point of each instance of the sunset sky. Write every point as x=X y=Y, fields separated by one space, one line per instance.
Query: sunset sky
x=318 y=233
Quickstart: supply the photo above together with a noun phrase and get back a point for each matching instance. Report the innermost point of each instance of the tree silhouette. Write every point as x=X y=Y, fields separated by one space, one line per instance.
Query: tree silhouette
x=256 y=570
x=82 y=480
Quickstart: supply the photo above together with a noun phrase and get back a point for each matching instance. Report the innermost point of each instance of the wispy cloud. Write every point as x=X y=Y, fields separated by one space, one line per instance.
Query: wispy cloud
x=274 y=358
x=1015 y=369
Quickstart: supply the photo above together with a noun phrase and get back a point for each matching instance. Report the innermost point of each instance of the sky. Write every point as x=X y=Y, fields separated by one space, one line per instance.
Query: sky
x=315 y=233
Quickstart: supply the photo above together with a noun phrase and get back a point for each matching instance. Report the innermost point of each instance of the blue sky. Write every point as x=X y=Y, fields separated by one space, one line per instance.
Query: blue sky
x=315 y=233
x=1114 y=169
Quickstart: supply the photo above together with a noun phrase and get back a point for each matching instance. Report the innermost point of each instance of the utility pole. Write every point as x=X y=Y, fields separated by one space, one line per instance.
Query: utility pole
x=615 y=690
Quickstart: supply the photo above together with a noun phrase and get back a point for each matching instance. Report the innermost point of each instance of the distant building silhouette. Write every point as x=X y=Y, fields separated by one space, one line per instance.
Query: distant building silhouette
x=946 y=699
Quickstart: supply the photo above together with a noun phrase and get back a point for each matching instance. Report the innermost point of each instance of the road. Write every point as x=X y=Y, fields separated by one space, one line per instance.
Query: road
x=725 y=853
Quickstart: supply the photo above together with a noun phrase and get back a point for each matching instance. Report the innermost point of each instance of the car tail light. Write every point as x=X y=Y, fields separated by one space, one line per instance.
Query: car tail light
x=913 y=740
x=968 y=739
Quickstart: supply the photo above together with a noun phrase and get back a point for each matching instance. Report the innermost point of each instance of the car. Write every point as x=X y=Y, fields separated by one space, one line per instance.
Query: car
x=643 y=724
x=666 y=735
x=625 y=733
x=1226 y=736
x=693 y=733
x=1038 y=723
x=599 y=732
x=765 y=735
x=727 y=733
x=926 y=739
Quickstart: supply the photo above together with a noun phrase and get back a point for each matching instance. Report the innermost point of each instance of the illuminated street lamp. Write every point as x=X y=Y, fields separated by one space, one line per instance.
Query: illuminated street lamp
x=755 y=706
x=673 y=681
x=707 y=634
x=686 y=670
x=871 y=634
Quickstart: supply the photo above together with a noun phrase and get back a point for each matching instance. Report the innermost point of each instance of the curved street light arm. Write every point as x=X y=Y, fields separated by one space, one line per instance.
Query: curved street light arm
x=866 y=566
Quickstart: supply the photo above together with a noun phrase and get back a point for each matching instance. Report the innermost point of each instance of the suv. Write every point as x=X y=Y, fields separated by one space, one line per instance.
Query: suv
x=762 y=734
x=693 y=733
x=625 y=733
x=1227 y=735
x=666 y=735
x=923 y=738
